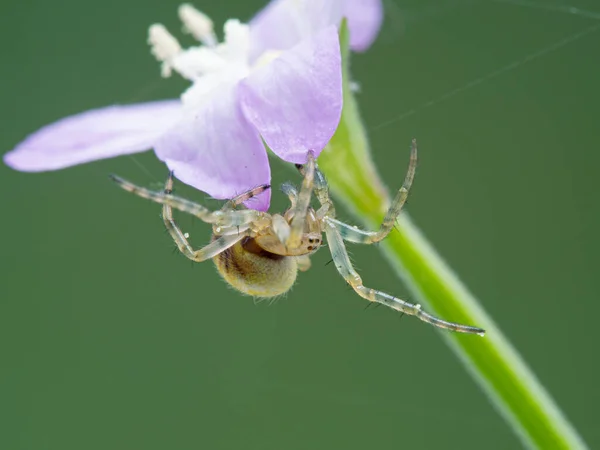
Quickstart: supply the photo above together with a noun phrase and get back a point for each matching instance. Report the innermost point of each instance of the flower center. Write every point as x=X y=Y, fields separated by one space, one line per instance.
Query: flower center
x=209 y=65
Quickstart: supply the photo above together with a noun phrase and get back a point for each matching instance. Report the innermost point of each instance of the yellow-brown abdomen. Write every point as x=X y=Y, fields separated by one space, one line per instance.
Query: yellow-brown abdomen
x=254 y=271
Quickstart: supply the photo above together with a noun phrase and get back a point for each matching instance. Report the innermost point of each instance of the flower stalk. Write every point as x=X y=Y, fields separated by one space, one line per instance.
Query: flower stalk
x=492 y=361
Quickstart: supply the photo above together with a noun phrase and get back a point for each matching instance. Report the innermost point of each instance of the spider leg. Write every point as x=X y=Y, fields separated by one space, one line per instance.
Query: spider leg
x=209 y=251
x=217 y=246
x=321 y=187
x=221 y=218
x=302 y=204
x=344 y=267
x=244 y=196
x=353 y=234
x=165 y=198
x=292 y=193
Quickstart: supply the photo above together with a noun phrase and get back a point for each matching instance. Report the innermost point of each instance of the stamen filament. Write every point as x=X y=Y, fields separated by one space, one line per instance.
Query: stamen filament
x=164 y=46
x=198 y=24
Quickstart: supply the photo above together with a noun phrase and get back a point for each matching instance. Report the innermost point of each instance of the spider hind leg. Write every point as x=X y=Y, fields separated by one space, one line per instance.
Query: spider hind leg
x=354 y=234
x=347 y=271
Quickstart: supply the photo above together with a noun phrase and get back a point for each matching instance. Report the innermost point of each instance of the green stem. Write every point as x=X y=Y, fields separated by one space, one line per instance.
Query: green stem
x=492 y=361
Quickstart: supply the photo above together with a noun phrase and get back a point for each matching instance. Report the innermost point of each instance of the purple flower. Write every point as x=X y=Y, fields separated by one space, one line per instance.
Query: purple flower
x=276 y=80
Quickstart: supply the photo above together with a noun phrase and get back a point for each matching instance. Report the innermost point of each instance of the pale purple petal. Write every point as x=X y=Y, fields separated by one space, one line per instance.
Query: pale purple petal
x=284 y=23
x=295 y=102
x=93 y=135
x=364 y=21
x=216 y=150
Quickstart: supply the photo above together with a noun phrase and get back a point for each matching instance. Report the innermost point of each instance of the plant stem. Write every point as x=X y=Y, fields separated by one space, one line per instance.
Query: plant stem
x=492 y=361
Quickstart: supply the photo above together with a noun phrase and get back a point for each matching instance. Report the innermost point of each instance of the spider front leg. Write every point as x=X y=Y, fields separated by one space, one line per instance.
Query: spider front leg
x=302 y=203
x=352 y=234
x=164 y=198
x=320 y=186
x=226 y=217
x=344 y=267
x=220 y=244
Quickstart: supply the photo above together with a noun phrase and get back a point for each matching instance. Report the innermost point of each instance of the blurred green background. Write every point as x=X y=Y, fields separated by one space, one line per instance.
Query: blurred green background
x=109 y=340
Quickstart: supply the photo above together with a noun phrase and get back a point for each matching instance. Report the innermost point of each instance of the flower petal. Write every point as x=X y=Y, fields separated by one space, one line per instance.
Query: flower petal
x=216 y=150
x=364 y=21
x=295 y=102
x=284 y=23
x=92 y=135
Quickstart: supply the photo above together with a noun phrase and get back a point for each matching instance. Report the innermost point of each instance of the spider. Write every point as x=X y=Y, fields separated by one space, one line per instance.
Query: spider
x=260 y=254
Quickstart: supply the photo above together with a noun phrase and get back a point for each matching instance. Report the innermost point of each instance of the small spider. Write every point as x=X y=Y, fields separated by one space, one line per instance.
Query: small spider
x=260 y=254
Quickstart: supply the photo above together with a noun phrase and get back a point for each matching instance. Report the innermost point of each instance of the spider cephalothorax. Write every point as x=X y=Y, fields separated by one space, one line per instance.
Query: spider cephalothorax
x=260 y=253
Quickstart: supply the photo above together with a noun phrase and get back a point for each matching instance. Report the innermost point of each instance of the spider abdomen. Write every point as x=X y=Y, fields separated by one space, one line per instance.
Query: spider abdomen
x=254 y=271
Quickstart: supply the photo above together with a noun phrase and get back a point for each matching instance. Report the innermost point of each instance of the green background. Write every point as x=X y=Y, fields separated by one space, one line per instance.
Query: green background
x=109 y=340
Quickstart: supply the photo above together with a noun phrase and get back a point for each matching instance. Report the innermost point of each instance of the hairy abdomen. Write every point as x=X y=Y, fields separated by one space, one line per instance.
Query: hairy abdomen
x=254 y=271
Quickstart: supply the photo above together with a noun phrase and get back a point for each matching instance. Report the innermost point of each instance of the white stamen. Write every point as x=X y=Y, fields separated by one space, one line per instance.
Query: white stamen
x=237 y=40
x=210 y=65
x=164 y=46
x=186 y=235
x=194 y=62
x=198 y=24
